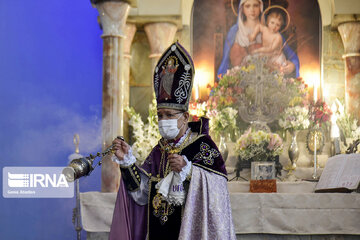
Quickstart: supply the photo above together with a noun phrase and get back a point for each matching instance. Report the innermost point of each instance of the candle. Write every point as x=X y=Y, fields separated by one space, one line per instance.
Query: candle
x=335 y=131
x=315 y=160
x=203 y=77
x=315 y=91
x=197 y=91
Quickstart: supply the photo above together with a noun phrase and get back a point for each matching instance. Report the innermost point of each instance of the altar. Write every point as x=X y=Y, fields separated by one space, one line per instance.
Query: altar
x=294 y=212
x=249 y=96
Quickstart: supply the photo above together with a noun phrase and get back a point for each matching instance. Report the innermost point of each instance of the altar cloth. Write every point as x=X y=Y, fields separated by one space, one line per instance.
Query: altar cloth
x=296 y=213
x=295 y=209
x=97 y=210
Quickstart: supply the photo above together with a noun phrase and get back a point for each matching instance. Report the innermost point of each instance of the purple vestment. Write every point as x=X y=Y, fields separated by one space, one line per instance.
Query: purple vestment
x=207 y=212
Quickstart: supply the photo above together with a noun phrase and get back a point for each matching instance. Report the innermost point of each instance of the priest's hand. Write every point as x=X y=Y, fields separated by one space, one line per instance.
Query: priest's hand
x=176 y=162
x=121 y=148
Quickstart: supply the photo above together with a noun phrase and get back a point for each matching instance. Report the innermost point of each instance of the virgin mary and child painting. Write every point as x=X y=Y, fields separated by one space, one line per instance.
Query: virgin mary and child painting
x=285 y=32
x=258 y=34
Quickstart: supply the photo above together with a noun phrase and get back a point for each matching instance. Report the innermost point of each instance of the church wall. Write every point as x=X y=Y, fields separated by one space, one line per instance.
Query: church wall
x=333 y=65
x=141 y=74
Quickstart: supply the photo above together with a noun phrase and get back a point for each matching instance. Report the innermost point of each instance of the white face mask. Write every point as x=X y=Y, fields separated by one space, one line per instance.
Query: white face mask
x=168 y=128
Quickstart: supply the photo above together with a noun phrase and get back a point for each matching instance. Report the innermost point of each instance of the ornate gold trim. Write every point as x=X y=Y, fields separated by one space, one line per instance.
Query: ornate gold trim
x=126 y=167
x=155 y=179
x=192 y=141
x=148 y=217
x=210 y=170
x=130 y=169
x=186 y=143
x=145 y=172
x=135 y=179
x=173 y=149
x=179 y=151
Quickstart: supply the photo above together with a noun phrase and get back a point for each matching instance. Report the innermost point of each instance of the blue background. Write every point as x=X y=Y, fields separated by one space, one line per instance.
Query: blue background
x=51 y=88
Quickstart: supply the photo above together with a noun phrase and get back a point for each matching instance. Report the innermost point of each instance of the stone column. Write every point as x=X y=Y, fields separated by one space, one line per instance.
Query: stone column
x=350 y=35
x=130 y=30
x=113 y=15
x=160 y=36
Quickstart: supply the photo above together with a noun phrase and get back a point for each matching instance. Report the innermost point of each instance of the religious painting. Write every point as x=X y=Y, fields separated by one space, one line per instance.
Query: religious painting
x=167 y=78
x=227 y=33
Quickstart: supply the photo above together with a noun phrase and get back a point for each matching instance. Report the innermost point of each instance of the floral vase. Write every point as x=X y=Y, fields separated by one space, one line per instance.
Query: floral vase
x=293 y=150
x=223 y=148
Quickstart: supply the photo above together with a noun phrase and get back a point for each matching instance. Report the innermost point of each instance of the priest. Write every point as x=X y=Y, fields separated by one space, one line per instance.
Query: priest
x=180 y=192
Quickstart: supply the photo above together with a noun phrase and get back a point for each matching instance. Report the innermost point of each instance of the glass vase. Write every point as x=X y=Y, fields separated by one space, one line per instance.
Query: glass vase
x=223 y=148
x=293 y=150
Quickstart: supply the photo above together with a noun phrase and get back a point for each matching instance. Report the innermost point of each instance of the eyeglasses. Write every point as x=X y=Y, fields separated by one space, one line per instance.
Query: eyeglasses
x=165 y=115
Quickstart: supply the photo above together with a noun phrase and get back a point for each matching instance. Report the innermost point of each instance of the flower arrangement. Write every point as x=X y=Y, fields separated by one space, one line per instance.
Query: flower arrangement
x=225 y=92
x=298 y=91
x=197 y=110
x=255 y=85
x=259 y=145
x=319 y=112
x=356 y=134
x=222 y=121
x=145 y=135
x=346 y=122
x=295 y=118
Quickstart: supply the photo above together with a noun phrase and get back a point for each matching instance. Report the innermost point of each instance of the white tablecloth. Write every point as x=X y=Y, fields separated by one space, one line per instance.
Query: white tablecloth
x=97 y=210
x=296 y=213
x=293 y=210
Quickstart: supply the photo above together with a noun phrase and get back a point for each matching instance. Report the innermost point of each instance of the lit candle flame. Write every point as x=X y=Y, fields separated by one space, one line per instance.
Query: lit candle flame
x=311 y=77
x=203 y=77
x=197 y=90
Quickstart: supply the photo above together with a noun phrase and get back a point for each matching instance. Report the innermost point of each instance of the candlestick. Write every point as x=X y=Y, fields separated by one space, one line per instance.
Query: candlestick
x=315 y=157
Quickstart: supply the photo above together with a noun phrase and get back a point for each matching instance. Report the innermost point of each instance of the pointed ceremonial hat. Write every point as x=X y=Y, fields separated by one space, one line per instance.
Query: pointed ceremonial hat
x=173 y=78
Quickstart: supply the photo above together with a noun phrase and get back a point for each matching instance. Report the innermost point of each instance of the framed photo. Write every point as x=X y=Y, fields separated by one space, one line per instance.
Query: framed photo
x=262 y=170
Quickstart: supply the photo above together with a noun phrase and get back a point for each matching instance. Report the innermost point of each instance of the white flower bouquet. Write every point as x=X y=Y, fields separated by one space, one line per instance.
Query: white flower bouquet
x=145 y=135
x=223 y=121
x=295 y=118
x=259 y=145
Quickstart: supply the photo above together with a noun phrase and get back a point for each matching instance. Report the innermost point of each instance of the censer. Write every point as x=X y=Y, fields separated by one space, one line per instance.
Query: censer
x=80 y=167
